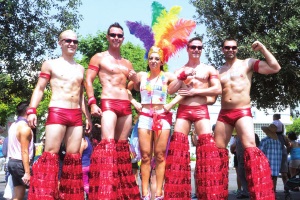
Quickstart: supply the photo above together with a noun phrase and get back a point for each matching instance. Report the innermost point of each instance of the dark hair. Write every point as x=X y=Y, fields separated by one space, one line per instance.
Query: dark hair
x=228 y=39
x=193 y=39
x=292 y=135
x=276 y=116
x=116 y=25
x=22 y=107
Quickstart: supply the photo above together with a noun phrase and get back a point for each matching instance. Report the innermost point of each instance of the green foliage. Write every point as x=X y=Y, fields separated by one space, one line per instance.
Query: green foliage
x=295 y=127
x=276 y=24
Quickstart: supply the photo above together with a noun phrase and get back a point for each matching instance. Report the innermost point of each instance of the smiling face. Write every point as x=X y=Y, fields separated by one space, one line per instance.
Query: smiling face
x=154 y=61
x=194 y=49
x=115 y=37
x=230 y=49
x=68 y=42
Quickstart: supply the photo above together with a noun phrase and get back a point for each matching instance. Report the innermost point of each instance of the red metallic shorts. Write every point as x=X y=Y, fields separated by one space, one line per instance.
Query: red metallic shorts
x=192 y=113
x=64 y=116
x=230 y=116
x=120 y=107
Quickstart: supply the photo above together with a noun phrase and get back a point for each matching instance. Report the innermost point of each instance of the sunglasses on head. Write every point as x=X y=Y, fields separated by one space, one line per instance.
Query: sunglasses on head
x=113 y=35
x=194 y=47
x=70 y=41
x=230 y=47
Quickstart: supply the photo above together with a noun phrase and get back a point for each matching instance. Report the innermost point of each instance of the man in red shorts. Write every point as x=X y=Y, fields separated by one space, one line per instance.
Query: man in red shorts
x=110 y=170
x=235 y=76
x=64 y=123
x=195 y=81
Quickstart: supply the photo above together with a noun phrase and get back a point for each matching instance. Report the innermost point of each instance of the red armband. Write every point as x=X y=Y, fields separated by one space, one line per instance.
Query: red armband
x=93 y=67
x=213 y=76
x=45 y=75
x=182 y=76
x=92 y=100
x=31 y=111
x=255 y=67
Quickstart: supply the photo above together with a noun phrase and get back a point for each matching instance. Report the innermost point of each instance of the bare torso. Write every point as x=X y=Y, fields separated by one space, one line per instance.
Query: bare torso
x=66 y=83
x=198 y=81
x=236 y=84
x=113 y=75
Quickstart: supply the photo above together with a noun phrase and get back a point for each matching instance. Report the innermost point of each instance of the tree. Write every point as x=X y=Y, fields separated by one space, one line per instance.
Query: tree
x=29 y=31
x=273 y=22
x=295 y=127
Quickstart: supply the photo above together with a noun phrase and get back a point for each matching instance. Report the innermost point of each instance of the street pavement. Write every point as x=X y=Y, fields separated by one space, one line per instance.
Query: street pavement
x=232 y=187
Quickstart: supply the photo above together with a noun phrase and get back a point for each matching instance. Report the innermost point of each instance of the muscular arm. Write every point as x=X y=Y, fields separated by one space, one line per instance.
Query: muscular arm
x=24 y=138
x=85 y=111
x=271 y=65
x=91 y=75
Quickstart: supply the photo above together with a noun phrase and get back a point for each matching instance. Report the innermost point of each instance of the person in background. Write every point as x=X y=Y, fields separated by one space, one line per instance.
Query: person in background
x=295 y=154
x=271 y=147
x=2 y=157
x=20 y=151
x=285 y=147
x=86 y=150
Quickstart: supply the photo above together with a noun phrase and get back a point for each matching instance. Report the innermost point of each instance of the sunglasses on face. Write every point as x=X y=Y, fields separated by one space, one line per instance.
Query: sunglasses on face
x=194 y=47
x=113 y=35
x=70 y=41
x=230 y=47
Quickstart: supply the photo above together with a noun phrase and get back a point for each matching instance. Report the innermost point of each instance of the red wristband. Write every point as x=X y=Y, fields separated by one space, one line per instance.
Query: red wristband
x=182 y=76
x=92 y=100
x=31 y=111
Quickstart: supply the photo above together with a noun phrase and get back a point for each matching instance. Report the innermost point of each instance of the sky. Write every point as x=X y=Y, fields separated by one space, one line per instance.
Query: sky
x=99 y=14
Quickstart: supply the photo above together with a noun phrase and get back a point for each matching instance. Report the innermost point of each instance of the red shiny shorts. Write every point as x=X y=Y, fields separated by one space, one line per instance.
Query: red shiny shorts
x=192 y=113
x=230 y=116
x=64 y=116
x=120 y=107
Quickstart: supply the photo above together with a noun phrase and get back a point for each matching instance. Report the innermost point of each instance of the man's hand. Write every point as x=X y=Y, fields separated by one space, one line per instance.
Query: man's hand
x=26 y=178
x=32 y=120
x=189 y=91
x=167 y=107
x=132 y=76
x=138 y=106
x=96 y=111
x=190 y=71
x=257 y=46
x=88 y=126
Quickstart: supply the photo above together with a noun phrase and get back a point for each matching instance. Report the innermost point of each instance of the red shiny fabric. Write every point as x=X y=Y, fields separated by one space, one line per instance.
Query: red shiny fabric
x=119 y=107
x=44 y=180
x=103 y=178
x=71 y=182
x=64 y=116
x=157 y=117
x=127 y=187
x=192 y=113
x=208 y=173
x=258 y=174
x=224 y=168
x=178 y=171
x=230 y=116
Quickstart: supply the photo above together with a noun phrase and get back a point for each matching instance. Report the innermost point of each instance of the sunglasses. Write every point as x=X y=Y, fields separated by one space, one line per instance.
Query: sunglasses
x=230 y=47
x=194 y=47
x=70 y=41
x=113 y=35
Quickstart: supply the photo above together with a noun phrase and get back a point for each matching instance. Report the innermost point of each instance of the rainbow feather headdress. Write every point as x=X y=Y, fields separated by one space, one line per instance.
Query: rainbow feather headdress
x=167 y=31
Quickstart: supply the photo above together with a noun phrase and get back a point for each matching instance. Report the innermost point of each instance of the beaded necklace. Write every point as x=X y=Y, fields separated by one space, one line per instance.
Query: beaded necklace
x=150 y=87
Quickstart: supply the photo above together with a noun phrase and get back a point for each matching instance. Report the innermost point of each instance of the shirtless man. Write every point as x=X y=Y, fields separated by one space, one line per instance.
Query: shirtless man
x=195 y=81
x=110 y=170
x=64 y=123
x=235 y=76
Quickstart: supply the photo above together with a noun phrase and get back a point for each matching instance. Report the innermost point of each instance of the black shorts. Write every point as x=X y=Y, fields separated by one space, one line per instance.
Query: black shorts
x=235 y=161
x=16 y=170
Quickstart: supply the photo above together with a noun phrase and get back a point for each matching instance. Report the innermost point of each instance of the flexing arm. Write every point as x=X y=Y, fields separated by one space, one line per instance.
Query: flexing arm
x=270 y=66
x=38 y=93
x=24 y=138
x=181 y=75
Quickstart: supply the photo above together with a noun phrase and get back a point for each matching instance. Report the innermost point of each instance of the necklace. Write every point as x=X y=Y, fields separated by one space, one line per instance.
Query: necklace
x=150 y=88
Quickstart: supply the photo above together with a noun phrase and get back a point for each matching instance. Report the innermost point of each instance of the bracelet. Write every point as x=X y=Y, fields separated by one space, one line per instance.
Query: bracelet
x=92 y=100
x=182 y=76
x=31 y=111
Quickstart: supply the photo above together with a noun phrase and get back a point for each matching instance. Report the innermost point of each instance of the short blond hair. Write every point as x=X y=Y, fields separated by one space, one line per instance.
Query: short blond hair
x=60 y=37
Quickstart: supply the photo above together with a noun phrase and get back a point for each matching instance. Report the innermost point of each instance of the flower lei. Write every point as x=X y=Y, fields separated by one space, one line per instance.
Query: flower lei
x=150 y=88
